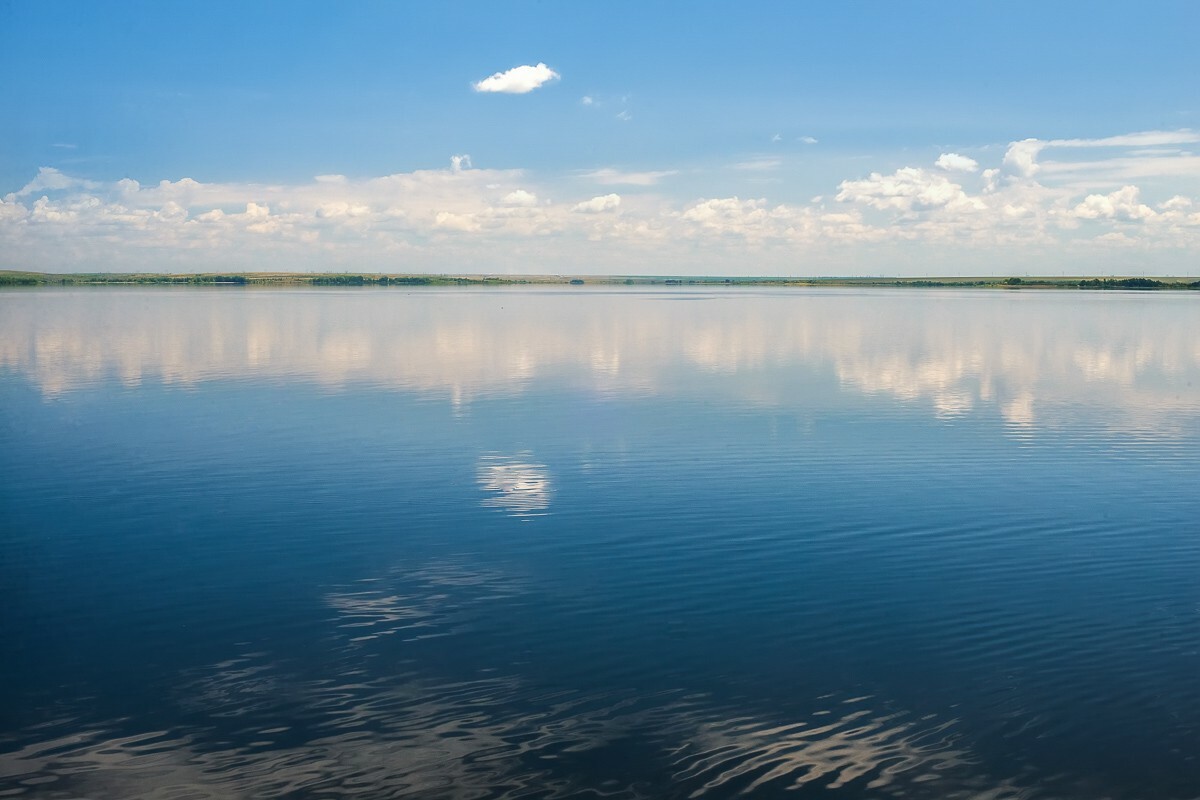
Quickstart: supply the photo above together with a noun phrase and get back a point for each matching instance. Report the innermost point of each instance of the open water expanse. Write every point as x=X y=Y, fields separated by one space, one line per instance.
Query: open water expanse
x=555 y=543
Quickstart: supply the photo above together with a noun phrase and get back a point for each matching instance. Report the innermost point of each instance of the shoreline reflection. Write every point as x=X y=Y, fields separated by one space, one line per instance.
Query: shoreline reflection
x=1130 y=363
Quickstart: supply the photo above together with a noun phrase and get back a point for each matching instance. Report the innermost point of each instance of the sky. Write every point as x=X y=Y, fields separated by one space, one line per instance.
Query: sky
x=816 y=138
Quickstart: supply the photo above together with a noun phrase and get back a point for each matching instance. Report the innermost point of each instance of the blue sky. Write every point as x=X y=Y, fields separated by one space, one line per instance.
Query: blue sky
x=782 y=138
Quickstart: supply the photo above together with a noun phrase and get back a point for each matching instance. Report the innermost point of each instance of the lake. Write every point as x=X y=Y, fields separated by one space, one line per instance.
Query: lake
x=549 y=543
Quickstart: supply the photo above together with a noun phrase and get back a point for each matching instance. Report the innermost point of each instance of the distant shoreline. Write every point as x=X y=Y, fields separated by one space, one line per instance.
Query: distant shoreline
x=16 y=278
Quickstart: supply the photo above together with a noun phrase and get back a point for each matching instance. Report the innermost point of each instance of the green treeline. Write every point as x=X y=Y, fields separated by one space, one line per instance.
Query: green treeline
x=1134 y=283
x=14 y=278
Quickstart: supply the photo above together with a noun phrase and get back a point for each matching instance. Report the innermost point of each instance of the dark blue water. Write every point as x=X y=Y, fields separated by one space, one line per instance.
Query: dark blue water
x=599 y=544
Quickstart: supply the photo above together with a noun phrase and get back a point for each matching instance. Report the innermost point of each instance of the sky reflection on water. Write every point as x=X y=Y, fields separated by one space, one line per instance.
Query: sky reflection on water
x=599 y=543
x=1034 y=358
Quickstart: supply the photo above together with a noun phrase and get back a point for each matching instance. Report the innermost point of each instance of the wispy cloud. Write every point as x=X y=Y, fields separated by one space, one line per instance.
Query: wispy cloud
x=1140 y=139
x=612 y=177
x=518 y=80
x=759 y=164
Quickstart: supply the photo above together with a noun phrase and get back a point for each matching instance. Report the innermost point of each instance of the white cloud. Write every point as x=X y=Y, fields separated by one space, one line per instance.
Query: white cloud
x=456 y=222
x=1123 y=169
x=341 y=209
x=587 y=100
x=518 y=80
x=906 y=190
x=612 y=177
x=1121 y=204
x=598 y=204
x=487 y=219
x=759 y=164
x=12 y=211
x=520 y=197
x=1140 y=139
x=624 y=116
x=49 y=178
x=807 y=140
x=953 y=162
x=1021 y=157
x=776 y=138
x=991 y=178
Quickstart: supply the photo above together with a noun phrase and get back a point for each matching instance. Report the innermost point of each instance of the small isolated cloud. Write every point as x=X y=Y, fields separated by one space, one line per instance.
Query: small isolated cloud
x=776 y=138
x=601 y=203
x=459 y=163
x=807 y=139
x=759 y=164
x=518 y=80
x=624 y=116
x=953 y=162
x=64 y=146
x=612 y=177
x=587 y=100
x=520 y=197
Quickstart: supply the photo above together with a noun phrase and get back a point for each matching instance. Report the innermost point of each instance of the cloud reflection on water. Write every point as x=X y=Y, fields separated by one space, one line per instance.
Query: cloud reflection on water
x=489 y=738
x=1127 y=362
x=256 y=725
x=520 y=487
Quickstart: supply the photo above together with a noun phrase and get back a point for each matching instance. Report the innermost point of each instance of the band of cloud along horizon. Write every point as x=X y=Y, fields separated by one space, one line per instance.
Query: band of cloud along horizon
x=1099 y=205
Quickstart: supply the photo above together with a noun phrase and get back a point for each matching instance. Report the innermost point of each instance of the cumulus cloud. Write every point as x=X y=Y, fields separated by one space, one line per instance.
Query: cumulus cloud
x=1176 y=203
x=598 y=204
x=1021 y=157
x=907 y=189
x=1121 y=204
x=460 y=217
x=520 y=197
x=518 y=80
x=991 y=178
x=953 y=162
x=456 y=222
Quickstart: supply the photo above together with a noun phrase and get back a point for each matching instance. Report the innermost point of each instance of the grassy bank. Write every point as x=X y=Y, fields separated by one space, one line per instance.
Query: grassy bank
x=14 y=278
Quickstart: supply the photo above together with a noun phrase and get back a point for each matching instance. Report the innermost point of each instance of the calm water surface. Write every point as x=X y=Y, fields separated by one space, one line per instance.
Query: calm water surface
x=610 y=544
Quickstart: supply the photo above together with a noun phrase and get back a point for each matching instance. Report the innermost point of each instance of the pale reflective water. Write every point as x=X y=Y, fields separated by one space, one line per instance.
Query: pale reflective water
x=549 y=543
